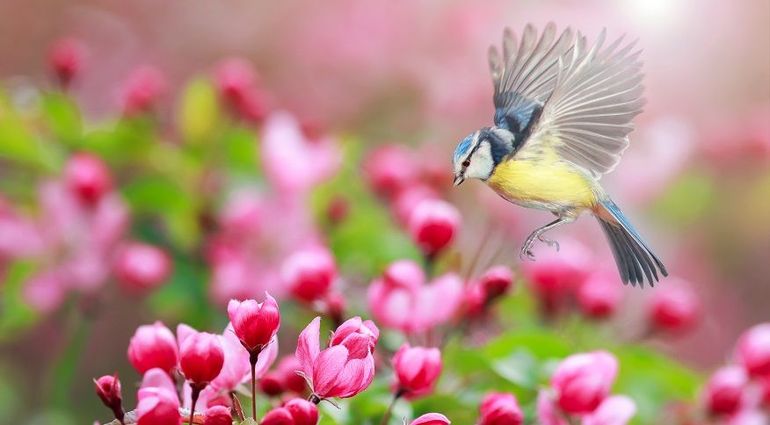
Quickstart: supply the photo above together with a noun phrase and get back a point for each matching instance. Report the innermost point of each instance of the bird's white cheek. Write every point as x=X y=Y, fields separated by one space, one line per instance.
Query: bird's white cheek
x=480 y=168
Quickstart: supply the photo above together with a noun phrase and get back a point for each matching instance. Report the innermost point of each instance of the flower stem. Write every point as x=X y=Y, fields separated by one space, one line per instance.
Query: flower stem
x=196 y=391
x=253 y=357
x=389 y=412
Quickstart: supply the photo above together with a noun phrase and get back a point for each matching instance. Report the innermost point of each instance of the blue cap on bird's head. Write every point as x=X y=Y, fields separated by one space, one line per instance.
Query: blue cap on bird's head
x=461 y=158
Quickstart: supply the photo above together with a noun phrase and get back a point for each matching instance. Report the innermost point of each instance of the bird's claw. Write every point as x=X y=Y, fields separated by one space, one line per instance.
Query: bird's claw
x=549 y=242
x=526 y=253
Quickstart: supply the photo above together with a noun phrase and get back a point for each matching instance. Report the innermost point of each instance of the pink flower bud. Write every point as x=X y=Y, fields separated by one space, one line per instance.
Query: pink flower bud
x=500 y=409
x=309 y=274
x=407 y=200
x=287 y=370
x=417 y=370
x=87 y=177
x=405 y=274
x=433 y=225
x=431 y=419
x=674 y=308
x=239 y=87
x=254 y=323
x=390 y=169
x=278 y=416
x=600 y=295
x=271 y=384
x=754 y=350
x=142 y=89
x=583 y=381
x=158 y=406
x=141 y=266
x=335 y=371
x=724 y=390
x=201 y=357
x=302 y=411
x=66 y=59
x=474 y=300
x=153 y=346
x=218 y=415
x=496 y=281
x=108 y=390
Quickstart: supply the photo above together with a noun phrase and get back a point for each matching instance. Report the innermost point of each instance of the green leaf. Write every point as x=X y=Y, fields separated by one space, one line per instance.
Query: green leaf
x=20 y=144
x=15 y=314
x=63 y=117
x=198 y=111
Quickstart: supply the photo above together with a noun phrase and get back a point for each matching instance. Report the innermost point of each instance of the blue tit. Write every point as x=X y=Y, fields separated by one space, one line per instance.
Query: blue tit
x=563 y=111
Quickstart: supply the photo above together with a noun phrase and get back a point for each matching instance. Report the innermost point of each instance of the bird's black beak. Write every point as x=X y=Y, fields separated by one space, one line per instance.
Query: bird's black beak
x=458 y=180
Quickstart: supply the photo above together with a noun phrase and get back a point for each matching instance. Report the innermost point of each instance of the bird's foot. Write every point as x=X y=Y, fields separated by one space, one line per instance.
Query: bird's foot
x=549 y=242
x=526 y=250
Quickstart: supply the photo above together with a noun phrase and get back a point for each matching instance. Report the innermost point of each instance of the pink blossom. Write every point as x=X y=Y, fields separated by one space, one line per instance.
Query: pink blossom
x=599 y=295
x=547 y=411
x=302 y=411
x=674 y=308
x=236 y=368
x=500 y=409
x=88 y=177
x=218 y=415
x=725 y=389
x=277 y=416
x=401 y=300
x=158 y=402
x=433 y=225
x=255 y=323
x=405 y=202
x=496 y=281
x=293 y=163
x=141 y=266
x=334 y=371
x=358 y=336
x=239 y=86
x=583 y=381
x=431 y=419
x=108 y=390
x=66 y=59
x=417 y=370
x=153 y=346
x=142 y=89
x=309 y=273
x=754 y=350
x=201 y=357
x=390 y=169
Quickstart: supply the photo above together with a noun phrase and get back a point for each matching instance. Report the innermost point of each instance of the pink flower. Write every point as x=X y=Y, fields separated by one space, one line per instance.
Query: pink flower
x=433 y=225
x=140 y=266
x=201 y=358
x=142 y=89
x=725 y=389
x=153 y=346
x=278 y=416
x=390 y=169
x=405 y=202
x=309 y=273
x=431 y=419
x=496 y=281
x=218 y=415
x=335 y=371
x=158 y=402
x=108 y=390
x=293 y=162
x=302 y=411
x=674 y=308
x=66 y=59
x=401 y=300
x=287 y=370
x=754 y=350
x=599 y=295
x=255 y=323
x=87 y=177
x=583 y=381
x=547 y=411
x=500 y=409
x=555 y=275
x=615 y=410
x=358 y=336
x=417 y=370
x=239 y=87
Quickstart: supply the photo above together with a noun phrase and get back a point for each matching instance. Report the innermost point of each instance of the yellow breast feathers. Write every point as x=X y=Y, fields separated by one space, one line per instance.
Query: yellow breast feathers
x=543 y=181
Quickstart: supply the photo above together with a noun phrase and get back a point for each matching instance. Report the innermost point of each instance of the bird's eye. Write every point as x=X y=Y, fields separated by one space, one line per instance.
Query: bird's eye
x=466 y=163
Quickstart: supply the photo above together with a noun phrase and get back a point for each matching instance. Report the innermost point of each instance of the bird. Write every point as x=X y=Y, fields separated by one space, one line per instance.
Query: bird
x=563 y=113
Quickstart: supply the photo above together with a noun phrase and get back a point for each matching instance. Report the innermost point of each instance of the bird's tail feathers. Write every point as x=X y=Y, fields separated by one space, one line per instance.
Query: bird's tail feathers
x=634 y=258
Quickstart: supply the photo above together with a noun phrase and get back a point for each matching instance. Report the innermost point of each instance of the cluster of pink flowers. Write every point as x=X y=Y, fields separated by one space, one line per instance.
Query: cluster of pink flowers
x=580 y=388
x=740 y=391
x=560 y=280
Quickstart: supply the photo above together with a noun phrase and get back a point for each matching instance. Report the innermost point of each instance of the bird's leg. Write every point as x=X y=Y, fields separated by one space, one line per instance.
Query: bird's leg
x=526 y=249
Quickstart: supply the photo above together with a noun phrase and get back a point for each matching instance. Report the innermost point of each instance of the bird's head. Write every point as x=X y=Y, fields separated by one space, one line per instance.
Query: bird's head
x=473 y=158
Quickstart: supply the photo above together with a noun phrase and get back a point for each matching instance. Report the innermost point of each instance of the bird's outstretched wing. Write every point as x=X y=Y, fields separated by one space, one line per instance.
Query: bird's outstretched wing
x=525 y=76
x=597 y=92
